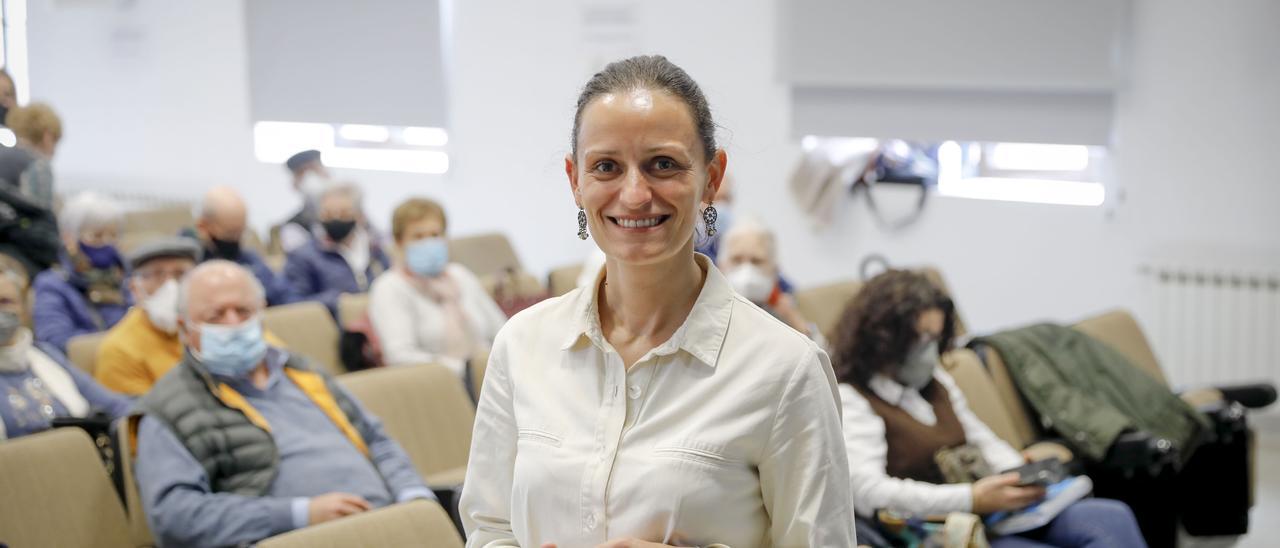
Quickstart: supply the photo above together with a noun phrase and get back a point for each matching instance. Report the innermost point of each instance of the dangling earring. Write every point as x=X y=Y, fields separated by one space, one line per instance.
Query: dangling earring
x=582 y=224
x=709 y=218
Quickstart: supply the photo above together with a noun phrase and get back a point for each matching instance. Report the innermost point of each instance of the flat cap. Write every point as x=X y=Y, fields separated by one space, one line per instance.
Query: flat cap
x=164 y=247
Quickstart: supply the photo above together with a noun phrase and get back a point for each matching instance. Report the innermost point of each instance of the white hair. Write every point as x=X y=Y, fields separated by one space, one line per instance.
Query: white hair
x=184 y=287
x=753 y=226
x=347 y=189
x=89 y=210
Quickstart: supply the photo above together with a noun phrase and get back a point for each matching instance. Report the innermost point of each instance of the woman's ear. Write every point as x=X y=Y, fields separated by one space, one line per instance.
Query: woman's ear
x=571 y=171
x=715 y=175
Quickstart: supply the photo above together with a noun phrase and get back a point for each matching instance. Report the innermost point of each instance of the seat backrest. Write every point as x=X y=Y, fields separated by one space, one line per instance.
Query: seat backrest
x=525 y=285
x=423 y=407
x=563 y=280
x=54 y=491
x=416 y=523
x=139 y=530
x=352 y=307
x=253 y=242
x=82 y=350
x=982 y=395
x=484 y=254
x=1119 y=330
x=824 y=305
x=167 y=219
x=307 y=329
x=130 y=241
x=1020 y=412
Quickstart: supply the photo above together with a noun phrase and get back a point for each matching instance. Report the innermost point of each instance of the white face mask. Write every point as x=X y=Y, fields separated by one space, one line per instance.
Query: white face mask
x=313 y=186
x=751 y=282
x=162 y=307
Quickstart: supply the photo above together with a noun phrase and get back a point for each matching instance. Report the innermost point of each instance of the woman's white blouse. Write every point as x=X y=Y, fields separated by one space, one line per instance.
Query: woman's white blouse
x=411 y=326
x=728 y=433
x=864 y=434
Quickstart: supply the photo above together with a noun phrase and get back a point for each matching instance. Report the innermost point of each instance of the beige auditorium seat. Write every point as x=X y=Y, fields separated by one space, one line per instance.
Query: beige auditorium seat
x=307 y=329
x=500 y=285
x=82 y=350
x=130 y=241
x=139 y=531
x=426 y=409
x=167 y=219
x=824 y=305
x=352 y=307
x=484 y=254
x=55 y=492
x=1119 y=330
x=564 y=279
x=416 y=523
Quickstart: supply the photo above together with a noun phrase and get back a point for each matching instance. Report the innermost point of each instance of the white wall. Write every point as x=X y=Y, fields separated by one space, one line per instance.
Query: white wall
x=155 y=99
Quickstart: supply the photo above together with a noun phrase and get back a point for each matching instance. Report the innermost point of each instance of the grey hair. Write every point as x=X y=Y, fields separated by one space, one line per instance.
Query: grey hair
x=184 y=287
x=344 y=188
x=652 y=72
x=89 y=210
x=753 y=226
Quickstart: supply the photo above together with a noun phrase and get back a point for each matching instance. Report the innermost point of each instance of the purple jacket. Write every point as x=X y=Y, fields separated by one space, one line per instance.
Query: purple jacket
x=62 y=310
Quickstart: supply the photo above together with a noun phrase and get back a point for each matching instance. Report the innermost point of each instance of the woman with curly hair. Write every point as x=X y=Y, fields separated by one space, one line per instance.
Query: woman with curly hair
x=900 y=409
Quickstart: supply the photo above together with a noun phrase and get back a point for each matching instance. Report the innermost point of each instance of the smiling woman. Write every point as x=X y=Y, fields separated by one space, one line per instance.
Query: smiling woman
x=654 y=407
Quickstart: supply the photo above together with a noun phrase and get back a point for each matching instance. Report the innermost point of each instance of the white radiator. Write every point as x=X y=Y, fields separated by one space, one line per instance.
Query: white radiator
x=1213 y=326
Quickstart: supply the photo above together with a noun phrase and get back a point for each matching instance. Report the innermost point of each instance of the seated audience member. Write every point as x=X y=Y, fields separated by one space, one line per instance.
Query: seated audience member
x=243 y=440
x=310 y=179
x=221 y=227
x=36 y=382
x=900 y=408
x=28 y=165
x=426 y=309
x=84 y=292
x=749 y=259
x=343 y=257
x=144 y=345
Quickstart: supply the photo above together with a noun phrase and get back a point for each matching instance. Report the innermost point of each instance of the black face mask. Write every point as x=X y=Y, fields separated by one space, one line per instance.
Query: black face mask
x=338 y=230
x=225 y=249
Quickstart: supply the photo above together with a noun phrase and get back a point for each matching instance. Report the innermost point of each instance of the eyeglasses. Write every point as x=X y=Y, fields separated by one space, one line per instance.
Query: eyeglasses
x=165 y=275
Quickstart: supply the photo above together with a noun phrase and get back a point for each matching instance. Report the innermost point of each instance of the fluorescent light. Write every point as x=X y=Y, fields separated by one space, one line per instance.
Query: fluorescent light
x=425 y=136
x=362 y=132
x=7 y=138
x=1038 y=157
x=1038 y=191
x=412 y=161
x=275 y=142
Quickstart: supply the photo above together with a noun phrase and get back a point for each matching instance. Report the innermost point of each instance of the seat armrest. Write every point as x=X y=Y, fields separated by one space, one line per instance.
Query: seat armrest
x=1042 y=450
x=1251 y=395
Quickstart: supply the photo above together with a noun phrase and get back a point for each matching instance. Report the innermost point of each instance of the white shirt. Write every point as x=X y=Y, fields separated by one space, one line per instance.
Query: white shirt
x=410 y=324
x=729 y=433
x=864 y=438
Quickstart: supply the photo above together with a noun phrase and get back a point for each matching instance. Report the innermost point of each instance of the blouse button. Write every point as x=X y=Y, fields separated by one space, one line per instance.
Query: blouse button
x=634 y=391
x=591 y=521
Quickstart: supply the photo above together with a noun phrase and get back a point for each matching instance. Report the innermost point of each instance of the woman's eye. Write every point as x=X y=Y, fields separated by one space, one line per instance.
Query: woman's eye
x=664 y=164
x=606 y=167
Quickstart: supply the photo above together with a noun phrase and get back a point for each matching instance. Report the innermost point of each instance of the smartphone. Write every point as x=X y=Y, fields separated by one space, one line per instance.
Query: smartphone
x=1043 y=473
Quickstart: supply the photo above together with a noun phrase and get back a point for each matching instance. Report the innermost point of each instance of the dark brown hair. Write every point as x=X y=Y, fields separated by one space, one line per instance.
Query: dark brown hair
x=653 y=72
x=878 y=327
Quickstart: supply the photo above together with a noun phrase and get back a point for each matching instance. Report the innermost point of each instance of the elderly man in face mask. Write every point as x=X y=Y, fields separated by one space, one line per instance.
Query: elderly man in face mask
x=243 y=440
x=144 y=345
x=749 y=259
x=220 y=228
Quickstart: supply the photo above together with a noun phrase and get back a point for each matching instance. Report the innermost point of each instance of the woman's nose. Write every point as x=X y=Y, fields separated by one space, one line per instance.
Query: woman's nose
x=635 y=189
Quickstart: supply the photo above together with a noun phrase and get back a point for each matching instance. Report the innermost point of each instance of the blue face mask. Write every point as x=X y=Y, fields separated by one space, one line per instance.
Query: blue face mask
x=100 y=256
x=231 y=351
x=427 y=257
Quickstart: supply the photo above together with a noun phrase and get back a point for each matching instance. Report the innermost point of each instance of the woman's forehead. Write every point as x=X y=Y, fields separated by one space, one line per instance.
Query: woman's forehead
x=637 y=117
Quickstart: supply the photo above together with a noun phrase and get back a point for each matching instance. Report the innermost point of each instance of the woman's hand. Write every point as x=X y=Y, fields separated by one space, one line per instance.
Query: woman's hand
x=1002 y=492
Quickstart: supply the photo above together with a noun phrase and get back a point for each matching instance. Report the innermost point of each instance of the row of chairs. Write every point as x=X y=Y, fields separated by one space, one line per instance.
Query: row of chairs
x=55 y=491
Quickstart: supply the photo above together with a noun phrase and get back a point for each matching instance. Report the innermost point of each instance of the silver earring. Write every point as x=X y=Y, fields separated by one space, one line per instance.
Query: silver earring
x=709 y=216
x=582 y=224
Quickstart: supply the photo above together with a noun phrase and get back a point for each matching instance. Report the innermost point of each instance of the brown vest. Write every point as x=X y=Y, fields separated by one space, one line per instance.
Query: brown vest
x=912 y=443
